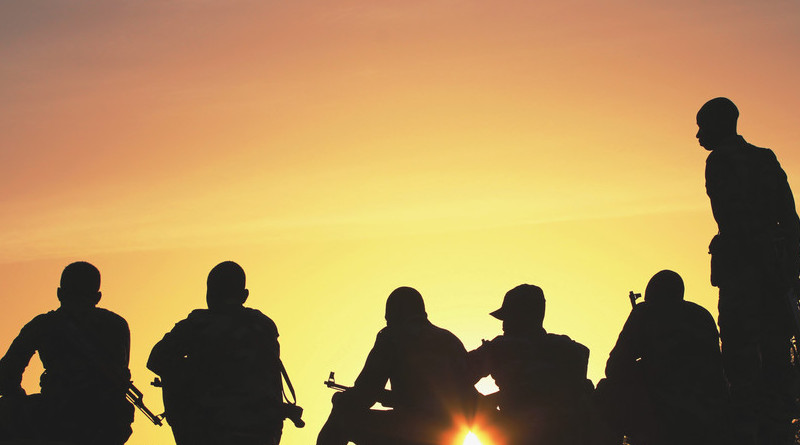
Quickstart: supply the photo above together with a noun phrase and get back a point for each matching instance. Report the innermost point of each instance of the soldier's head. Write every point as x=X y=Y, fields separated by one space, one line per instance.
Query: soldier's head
x=522 y=309
x=226 y=286
x=404 y=304
x=664 y=286
x=716 y=121
x=80 y=286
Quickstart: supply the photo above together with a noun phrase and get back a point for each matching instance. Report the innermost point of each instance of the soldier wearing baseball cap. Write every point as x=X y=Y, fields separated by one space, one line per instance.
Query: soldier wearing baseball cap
x=525 y=301
x=541 y=376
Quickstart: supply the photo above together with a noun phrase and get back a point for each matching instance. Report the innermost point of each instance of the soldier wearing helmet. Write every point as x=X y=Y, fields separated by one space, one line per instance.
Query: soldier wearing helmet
x=543 y=389
x=427 y=368
x=664 y=381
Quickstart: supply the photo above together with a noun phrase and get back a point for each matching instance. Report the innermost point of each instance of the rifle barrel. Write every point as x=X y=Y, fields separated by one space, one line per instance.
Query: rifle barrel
x=136 y=398
x=336 y=386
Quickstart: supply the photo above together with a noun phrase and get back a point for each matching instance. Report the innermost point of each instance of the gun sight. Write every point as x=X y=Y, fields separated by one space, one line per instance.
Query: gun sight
x=633 y=297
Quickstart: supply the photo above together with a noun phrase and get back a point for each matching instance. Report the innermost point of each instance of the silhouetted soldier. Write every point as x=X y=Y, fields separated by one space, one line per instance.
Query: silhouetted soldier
x=664 y=381
x=544 y=392
x=85 y=352
x=755 y=260
x=426 y=366
x=220 y=369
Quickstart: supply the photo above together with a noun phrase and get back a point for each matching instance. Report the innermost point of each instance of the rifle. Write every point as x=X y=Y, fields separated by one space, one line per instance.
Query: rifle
x=136 y=398
x=384 y=398
x=331 y=383
x=288 y=410
x=633 y=297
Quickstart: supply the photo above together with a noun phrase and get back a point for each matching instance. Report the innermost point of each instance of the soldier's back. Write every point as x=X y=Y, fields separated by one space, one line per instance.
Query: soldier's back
x=428 y=367
x=680 y=345
x=85 y=356
x=747 y=188
x=228 y=388
x=544 y=393
x=89 y=348
x=682 y=370
x=537 y=368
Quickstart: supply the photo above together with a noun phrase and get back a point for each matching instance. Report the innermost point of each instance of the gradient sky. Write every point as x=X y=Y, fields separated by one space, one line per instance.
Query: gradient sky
x=338 y=150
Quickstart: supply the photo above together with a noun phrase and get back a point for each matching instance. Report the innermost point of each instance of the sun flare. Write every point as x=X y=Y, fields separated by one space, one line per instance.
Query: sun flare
x=472 y=439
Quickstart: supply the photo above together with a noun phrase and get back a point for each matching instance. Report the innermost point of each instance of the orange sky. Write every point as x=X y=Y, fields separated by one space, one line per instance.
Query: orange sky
x=340 y=150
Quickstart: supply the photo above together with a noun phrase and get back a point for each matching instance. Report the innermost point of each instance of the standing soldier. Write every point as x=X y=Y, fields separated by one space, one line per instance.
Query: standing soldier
x=427 y=368
x=221 y=369
x=754 y=263
x=544 y=392
x=85 y=352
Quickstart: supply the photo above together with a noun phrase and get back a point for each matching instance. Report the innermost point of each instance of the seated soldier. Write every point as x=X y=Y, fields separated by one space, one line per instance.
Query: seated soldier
x=85 y=352
x=664 y=381
x=426 y=366
x=543 y=390
x=220 y=369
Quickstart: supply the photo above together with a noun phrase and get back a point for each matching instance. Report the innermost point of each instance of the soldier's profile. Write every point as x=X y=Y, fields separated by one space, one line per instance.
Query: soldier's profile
x=85 y=352
x=220 y=369
x=755 y=263
x=430 y=390
x=543 y=392
x=664 y=380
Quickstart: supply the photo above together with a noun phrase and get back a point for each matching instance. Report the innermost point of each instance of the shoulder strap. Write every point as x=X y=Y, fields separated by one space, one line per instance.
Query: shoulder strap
x=288 y=384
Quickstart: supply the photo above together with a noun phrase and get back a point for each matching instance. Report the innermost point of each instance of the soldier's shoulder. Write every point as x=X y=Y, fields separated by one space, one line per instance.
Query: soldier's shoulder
x=565 y=341
x=759 y=153
x=198 y=315
x=109 y=315
x=43 y=318
x=40 y=321
x=261 y=319
x=448 y=336
x=643 y=311
x=697 y=310
x=441 y=331
x=692 y=306
x=493 y=343
x=110 y=320
x=754 y=147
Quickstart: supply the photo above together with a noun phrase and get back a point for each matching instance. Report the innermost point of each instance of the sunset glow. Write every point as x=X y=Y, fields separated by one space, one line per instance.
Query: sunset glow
x=472 y=439
x=338 y=150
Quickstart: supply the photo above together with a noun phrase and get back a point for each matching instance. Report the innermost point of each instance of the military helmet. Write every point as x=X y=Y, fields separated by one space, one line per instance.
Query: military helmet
x=405 y=303
x=666 y=285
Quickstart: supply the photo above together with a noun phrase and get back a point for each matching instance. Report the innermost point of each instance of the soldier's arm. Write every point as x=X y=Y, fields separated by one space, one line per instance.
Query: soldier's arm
x=479 y=362
x=787 y=212
x=581 y=360
x=168 y=354
x=125 y=349
x=707 y=333
x=19 y=354
x=371 y=382
x=718 y=188
x=118 y=335
x=622 y=359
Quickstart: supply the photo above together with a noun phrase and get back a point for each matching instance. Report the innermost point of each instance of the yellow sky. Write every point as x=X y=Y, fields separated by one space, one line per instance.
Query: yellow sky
x=337 y=151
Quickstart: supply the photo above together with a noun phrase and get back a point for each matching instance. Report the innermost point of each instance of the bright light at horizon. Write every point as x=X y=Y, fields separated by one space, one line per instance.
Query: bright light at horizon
x=472 y=439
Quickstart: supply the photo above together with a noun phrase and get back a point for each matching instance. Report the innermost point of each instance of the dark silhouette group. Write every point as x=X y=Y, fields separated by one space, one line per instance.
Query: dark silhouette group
x=668 y=380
